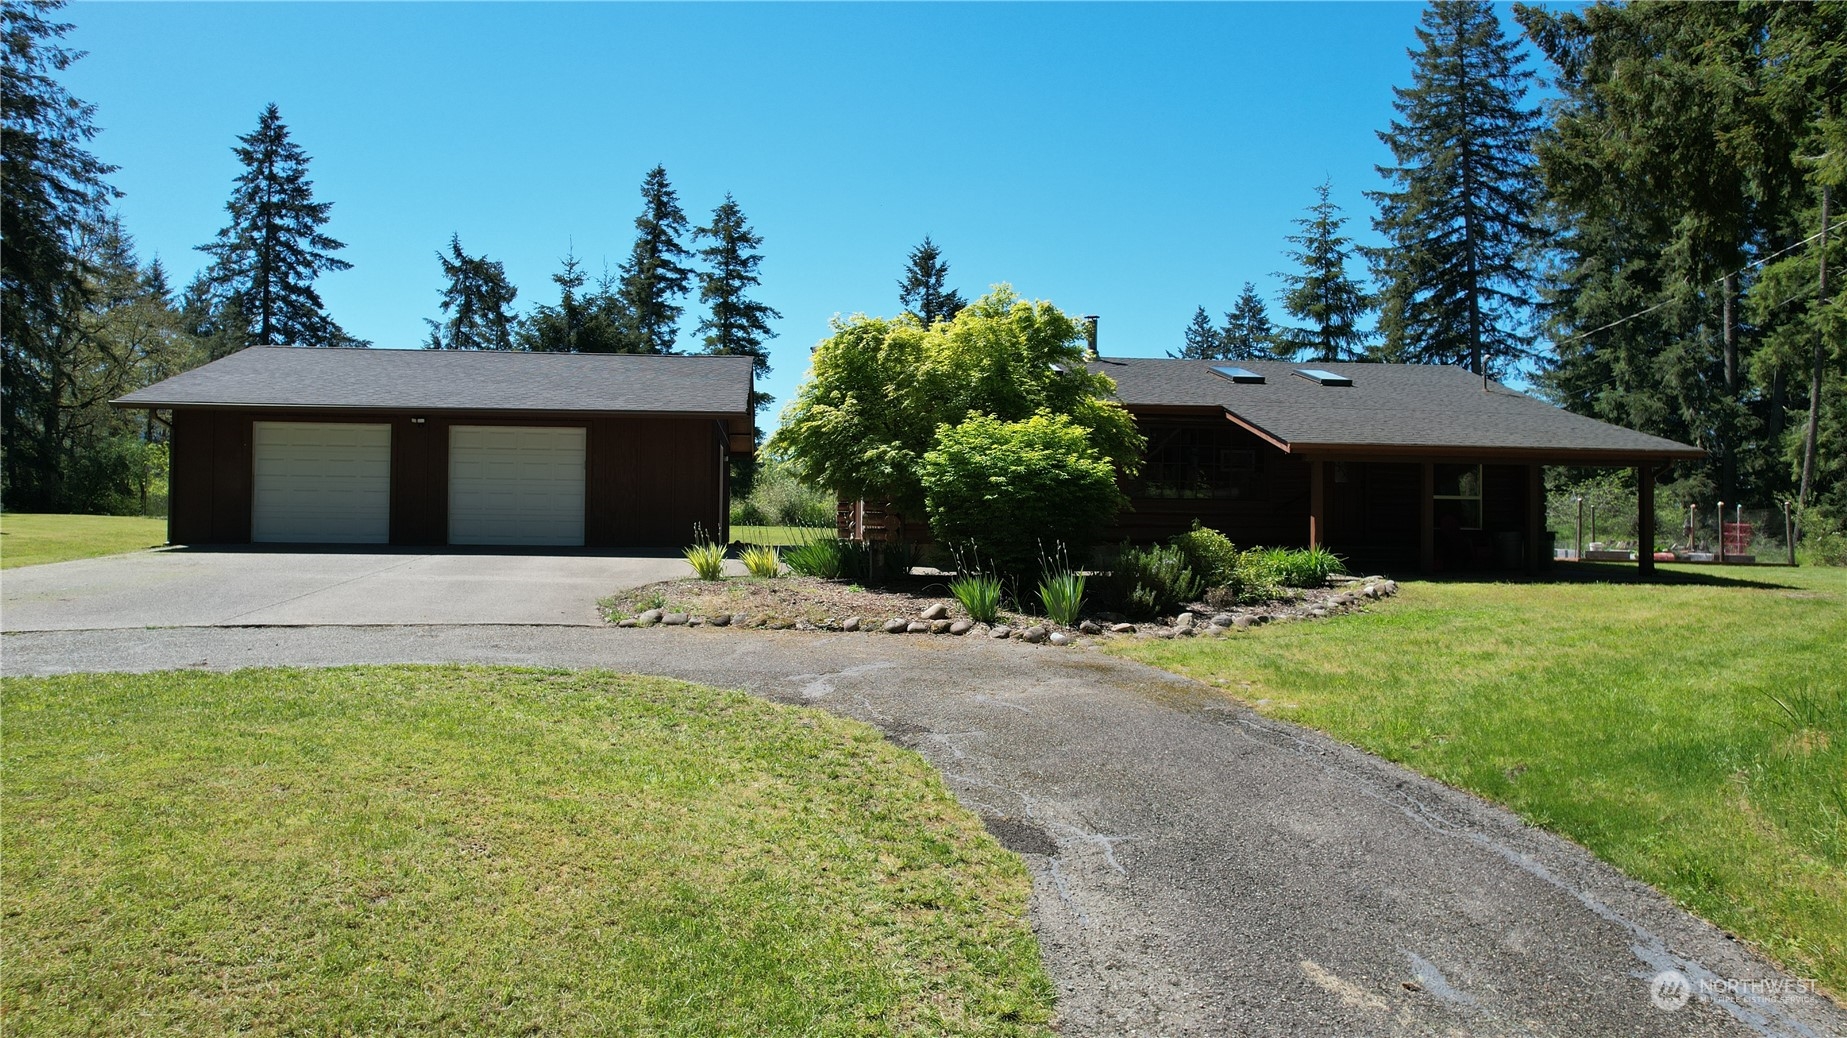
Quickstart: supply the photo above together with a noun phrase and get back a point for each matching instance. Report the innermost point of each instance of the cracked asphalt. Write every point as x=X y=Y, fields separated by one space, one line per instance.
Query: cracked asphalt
x=1197 y=869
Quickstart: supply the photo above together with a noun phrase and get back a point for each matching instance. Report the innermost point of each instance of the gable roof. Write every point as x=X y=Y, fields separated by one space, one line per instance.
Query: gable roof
x=296 y=377
x=1410 y=409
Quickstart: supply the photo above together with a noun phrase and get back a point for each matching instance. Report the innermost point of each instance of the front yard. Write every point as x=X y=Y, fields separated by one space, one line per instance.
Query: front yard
x=28 y=539
x=493 y=851
x=1694 y=734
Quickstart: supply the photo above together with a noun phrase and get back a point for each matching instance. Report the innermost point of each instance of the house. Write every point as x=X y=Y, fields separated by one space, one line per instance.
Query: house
x=286 y=444
x=1393 y=466
x=1396 y=465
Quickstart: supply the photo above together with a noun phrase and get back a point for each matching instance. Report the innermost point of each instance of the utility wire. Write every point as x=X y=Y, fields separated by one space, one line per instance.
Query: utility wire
x=1665 y=302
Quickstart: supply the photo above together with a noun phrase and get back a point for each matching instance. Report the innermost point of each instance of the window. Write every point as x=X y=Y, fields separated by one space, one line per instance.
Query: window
x=1458 y=497
x=1323 y=377
x=1236 y=374
x=1196 y=463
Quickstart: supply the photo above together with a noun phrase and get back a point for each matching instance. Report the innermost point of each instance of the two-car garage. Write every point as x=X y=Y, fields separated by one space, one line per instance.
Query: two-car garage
x=330 y=483
x=290 y=445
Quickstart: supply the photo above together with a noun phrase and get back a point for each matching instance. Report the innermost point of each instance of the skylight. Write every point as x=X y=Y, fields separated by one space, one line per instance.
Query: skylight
x=1325 y=378
x=1237 y=374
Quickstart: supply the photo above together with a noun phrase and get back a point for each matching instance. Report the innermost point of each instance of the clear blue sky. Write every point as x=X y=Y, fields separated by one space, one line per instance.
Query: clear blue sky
x=1132 y=161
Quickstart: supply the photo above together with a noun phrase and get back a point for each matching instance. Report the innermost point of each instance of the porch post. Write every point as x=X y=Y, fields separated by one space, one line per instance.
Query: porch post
x=1317 y=505
x=1535 y=517
x=1645 y=519
x=1427 y=520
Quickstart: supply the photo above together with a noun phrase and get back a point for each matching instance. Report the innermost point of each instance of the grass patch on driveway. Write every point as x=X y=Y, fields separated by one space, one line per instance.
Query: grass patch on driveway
x=493 y=851
x=28 y=539
x=1695 y=736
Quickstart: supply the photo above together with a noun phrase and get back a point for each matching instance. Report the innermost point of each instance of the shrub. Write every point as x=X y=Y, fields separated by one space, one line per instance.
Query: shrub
x=821 y=554
x=1210 y=554
x=761 y=561
x=1145 y=582
x=1005 y=487
x=1062 y=592
x=979 y=594
x=1822 y=543
x=707 y=560
x=746 y=513
x=1264 y=573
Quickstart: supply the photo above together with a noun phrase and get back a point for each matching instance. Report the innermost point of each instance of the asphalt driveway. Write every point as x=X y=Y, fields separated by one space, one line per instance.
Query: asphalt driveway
x=256 y=587
x=1197 y=869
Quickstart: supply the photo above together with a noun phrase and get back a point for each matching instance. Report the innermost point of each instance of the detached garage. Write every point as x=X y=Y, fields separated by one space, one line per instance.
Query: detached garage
x=290 y=445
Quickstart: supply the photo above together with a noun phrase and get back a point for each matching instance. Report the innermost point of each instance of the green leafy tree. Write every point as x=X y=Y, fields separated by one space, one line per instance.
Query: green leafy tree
x=923 y=290
x=1202 y=341
x=656 y=274
x=53 y=193
x=879 y=391
x=477 y=302
x=1320 y=291
x=1455 y=279
x=1248 y=333
x=1014 y=490
x=735 y=325
x=270 y=254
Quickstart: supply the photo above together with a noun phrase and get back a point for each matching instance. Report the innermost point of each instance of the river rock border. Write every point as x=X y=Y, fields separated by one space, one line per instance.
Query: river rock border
x=1344 y=594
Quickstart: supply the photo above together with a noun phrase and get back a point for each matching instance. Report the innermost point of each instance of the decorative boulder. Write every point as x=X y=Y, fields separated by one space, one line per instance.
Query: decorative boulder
x=896 y=626
x=917 y=627
x=961 y=627
x=1060 y=638
x=675 y=619
x=1035 y=635
x=1223 y=620
x=940 y=626
x=1001 y=631
x=851 y=623
x=1122 y=628
x=938 y=611
x=627 y=622
x=721 y=620
x=652 y=616
x=1090 y=627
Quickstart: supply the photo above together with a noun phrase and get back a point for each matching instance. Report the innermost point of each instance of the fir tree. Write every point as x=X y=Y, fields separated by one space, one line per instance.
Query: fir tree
x=655 y=274
x=1320 y=292
x=736 y=325
x=923 y=291
x=51 y=191
x=1454 y=285
x=1248 y=333
x=478 y=303
x=1202 y=341
x=268 y=257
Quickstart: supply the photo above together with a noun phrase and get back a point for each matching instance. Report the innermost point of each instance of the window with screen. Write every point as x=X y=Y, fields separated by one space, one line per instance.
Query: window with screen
x=1458 y=496
x=1197 y=463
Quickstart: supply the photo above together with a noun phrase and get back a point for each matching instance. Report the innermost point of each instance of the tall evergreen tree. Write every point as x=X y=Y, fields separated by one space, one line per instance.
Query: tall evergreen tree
x=268 y=257
x=736 y=325
x=656 y=273
x=1455 y=281
x=478 y=302
x=923 y=290
x=1248 y=333
x=581 y=322
x=1202 y=341
x=52 y=193
x=1320 y=291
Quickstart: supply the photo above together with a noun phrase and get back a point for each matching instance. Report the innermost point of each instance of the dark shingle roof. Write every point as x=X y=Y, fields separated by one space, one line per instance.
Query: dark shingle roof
x=1422 y=408
x=443 y=380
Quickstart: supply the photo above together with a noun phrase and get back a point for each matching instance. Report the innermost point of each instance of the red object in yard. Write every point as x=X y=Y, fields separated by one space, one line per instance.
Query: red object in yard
x=1664 y=556
x=1737 y=537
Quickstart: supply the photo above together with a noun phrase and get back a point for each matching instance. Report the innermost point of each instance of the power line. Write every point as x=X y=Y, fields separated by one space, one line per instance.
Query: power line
x=1665 y=302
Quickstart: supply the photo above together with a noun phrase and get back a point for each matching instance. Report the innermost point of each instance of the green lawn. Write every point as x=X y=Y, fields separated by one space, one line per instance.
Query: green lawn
x=1695 y=736
x=778 y=536
x=27 y=539
x=490 y=851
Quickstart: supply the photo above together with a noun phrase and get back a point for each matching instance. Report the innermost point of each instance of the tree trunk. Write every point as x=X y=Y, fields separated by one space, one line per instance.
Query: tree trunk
x=1815 y=366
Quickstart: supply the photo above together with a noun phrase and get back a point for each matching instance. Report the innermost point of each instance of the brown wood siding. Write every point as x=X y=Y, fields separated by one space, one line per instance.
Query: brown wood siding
x=648 y=481
x=1503 y=498
x=651 y=480
x=419 y=481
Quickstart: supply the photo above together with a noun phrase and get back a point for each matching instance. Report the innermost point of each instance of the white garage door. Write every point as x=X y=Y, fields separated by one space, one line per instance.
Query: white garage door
x=515 y=485
x=318 y=482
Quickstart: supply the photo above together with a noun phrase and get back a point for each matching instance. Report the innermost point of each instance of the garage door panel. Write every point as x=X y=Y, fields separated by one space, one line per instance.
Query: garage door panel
x=516 y=485
x=320 y=482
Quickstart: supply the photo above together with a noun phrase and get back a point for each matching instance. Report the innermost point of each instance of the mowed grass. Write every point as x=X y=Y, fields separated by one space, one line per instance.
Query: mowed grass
x=27 y=539
x=1693 y=735
x=777 y=536
x=489 y=851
